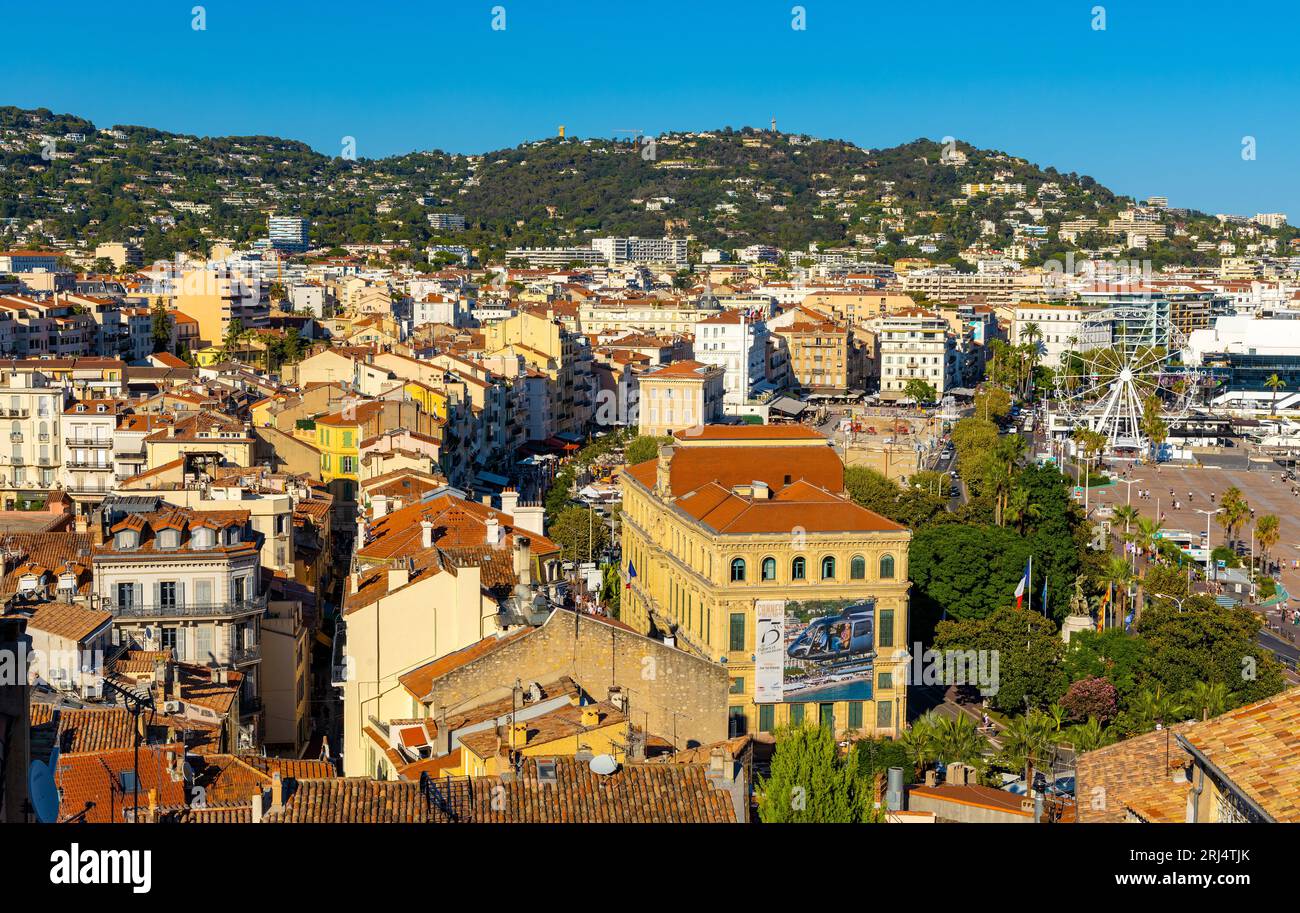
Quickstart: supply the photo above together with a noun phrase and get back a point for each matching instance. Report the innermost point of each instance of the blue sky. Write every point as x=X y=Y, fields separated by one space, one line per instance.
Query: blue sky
x=1157 y=103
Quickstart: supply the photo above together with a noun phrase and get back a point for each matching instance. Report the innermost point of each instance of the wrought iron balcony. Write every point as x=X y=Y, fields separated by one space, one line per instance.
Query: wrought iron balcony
x=88 y=442
x=246 y=654
x=254 y=606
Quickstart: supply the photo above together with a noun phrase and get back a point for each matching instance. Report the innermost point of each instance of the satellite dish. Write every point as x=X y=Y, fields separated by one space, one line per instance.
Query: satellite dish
x=43 y=792
x=603 y=764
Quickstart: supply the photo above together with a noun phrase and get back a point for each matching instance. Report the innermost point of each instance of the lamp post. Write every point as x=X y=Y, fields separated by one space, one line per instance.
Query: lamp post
x=1174 y=598
x=1130 y=483
x=1208 y=515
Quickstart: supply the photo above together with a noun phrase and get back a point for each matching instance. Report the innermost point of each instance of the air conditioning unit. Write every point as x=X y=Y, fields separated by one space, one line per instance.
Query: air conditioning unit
x=172 y=707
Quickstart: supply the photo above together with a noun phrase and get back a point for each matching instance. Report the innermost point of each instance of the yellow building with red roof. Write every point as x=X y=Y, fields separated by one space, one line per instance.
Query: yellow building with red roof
x=737 y=531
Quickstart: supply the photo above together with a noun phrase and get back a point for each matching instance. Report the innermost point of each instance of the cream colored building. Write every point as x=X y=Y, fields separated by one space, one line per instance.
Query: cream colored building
x=680 y=395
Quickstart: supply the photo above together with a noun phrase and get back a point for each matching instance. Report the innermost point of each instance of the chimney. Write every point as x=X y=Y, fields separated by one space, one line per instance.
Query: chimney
x=379 y=506
x=618 y=698
x=426 y=534
x=443 y=733
x=523 y=561
x=173 y=683
x=257 y=807
x=492 y=534
x=529 y=516
x=354 y=581
x=590 y=717
x=509 y=501
x=518 y=735
x=153 y=806
x=663 y=486
x=277 y=792
x=760 y=490
x=399 y=575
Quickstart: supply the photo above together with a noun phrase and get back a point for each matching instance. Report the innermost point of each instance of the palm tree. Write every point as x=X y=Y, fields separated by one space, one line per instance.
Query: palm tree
x=1235 y=509
x=1207 y=699
x=1267 y=531
x=1005 y=457
x=1089 y=736
x=918 y=742
x=1057 y=714
x=1155 y=708
x=1028 y=742
x=1128 y=514
x=1116 y=574
x=1020 y=509
x=958 y=741
x=1274 y=383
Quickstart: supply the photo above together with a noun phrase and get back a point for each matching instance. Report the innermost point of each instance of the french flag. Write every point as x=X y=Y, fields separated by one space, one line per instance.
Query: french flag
x=631 y=574
x=1023 y=586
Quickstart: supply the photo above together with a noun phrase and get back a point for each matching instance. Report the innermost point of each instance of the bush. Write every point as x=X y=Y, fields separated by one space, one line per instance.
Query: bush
x=1091 y=697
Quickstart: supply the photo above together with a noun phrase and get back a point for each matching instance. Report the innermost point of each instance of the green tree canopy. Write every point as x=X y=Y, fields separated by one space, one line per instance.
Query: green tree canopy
x=1029 y=650
x=812 y=782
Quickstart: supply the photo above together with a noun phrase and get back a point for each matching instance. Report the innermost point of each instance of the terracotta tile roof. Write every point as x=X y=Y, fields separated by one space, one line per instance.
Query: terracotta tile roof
x=1135 y=774
x=95 y=790
x=68 y=621
x=561 y=723
x=1258 y=748
x=636 y=793
x=457 y=523
x=49 y=550
x=84 y=730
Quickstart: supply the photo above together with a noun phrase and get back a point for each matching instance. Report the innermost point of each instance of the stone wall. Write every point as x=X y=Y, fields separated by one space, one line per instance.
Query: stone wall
x=665 y=687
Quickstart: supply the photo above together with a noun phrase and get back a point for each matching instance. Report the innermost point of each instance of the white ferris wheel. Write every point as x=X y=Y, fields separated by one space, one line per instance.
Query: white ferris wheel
x=1124 y=363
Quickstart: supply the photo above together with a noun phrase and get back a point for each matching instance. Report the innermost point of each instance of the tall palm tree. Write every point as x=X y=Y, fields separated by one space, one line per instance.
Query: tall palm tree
x=1128 y=515
x=918 y=742
x=1274 y=383
x=1020 y=509
x=1028 y=742
x=1089 y=736
x=1117 y=575
x=1267 y=531
x=1235 y=509
x=958 y=740
x=1153 y=708
x=1207 y=699
x=1005 y=458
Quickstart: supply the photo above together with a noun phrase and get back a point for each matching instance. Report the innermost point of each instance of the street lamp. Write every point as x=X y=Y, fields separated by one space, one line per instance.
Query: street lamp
x=1174 y=598
x=1130 y=483
x=1208 y=515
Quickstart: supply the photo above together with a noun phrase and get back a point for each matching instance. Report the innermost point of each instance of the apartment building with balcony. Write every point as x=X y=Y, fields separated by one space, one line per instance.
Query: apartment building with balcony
x=31 y=410
x=89 y=472
x=182 y=580
x=917 y=344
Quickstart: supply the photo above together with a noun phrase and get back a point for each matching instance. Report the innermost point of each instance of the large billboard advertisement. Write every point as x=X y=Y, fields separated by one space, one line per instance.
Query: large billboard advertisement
x=821 y=650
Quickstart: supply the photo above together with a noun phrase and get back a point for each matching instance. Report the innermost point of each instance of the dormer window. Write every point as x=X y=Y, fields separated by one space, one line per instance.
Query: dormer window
x=232 y=535
x=67 y=583
x=202 y=538
x=126 y=540
x=27 y=583
x=169 y=538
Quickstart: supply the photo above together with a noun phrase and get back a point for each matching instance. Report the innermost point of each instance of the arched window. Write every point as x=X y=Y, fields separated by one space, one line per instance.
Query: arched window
x=737 y=570
x=798 y=568
x=769 y=568
x=887 y=567
x=828 y=568
x=858 y=568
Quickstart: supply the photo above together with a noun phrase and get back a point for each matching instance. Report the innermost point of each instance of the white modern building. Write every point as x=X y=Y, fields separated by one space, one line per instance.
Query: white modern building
x=619 y=251
x=916 y=344
x=736 y=343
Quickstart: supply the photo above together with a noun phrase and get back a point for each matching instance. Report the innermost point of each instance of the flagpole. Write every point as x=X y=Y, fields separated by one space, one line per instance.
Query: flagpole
x=1029 y=585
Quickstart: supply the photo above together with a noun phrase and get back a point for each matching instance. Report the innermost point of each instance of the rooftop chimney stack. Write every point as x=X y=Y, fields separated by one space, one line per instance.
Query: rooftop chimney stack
x=426 y=534
x=523 y=561
x=492 y=532
x=277 y=792
x=509 y=501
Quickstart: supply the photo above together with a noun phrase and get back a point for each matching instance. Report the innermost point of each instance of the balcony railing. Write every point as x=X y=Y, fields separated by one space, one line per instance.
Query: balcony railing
x=246 y=654
x=87 y=464
x=88 y=442
x=257 y=605
x=15 y=413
